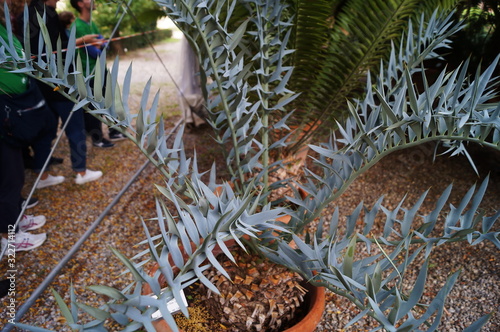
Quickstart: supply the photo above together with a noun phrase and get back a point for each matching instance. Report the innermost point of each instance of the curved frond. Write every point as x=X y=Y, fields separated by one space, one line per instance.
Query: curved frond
x=312 y=20
x=372 y=277
x=363 y=34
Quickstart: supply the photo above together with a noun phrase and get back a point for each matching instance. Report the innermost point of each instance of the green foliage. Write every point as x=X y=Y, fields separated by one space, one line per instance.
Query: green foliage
x=140 y=15
x=481 y=35
x=131 y=16
x=244 y=66
x=334 y=55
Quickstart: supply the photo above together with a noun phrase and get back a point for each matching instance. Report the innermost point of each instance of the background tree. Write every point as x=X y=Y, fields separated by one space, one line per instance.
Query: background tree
x=336 y=43
x=140 y=16
x=480 y=39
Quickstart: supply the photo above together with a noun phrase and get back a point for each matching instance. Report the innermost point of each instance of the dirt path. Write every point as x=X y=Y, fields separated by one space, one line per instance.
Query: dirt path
x=162 y=66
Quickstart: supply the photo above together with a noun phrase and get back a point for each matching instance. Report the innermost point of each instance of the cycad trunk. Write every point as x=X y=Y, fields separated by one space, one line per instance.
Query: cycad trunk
x=261 y=295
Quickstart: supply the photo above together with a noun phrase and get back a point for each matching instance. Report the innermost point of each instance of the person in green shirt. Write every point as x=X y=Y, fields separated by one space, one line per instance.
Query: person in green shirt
x=85 y=26
x=11 y=83
x=11 y=164
x=73 y=120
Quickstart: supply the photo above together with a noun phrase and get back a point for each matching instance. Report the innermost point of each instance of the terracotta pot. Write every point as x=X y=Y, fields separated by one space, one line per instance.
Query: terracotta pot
x=314 y=300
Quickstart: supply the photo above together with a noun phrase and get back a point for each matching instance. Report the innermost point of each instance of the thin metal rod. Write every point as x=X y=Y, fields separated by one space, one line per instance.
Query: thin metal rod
x=39 y=176
x=117 y=25
x=151 y=44
x=48 y=280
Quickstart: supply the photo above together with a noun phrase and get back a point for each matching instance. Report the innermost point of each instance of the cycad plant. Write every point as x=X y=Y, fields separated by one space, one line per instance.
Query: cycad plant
x=244 y=66
x=336 y=43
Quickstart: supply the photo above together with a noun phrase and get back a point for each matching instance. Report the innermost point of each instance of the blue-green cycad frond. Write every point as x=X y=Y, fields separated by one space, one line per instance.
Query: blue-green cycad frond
x=360 y=36
x=244 y=74
x=454 y=110
x=395 y=114
x=195 y=233
x=372 y=278
x=420 y=42
x=192 y=235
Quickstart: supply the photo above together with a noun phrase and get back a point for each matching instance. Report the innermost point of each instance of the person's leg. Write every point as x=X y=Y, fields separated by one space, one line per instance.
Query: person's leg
x=43 y=144
x=28 y=158
x=93 y=127
x=115 y=135
x=75 y=132
x=11 y=184
x=41 y=148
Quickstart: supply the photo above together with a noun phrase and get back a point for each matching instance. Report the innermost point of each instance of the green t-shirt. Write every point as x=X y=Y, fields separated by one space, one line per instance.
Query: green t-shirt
x=85 y=28
x=12 y=83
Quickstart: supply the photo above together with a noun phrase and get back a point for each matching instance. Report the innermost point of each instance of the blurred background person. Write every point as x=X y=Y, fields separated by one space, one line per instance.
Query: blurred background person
x=85 y=26
x=60 y=105
x=11 y=163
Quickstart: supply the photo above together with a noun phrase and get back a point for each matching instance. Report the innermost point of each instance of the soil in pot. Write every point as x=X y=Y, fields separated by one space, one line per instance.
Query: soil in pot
x=261 y=295
x=201 y=320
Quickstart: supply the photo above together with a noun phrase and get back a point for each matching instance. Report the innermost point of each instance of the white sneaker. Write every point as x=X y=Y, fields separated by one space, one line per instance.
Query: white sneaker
x=29 y=223
x=50 y=181
x=25 y=241
x=88 y=176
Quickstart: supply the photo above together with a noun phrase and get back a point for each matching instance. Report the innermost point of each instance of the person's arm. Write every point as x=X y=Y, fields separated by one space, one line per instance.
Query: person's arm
x=88 y=39
x=94 y=48
x=84 y=35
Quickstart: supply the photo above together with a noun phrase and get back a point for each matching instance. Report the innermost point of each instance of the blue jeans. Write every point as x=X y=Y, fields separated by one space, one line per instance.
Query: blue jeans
x=75 y=132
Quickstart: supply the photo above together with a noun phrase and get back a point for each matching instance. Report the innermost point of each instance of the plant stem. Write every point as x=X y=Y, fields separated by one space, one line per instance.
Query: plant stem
x=220 y=89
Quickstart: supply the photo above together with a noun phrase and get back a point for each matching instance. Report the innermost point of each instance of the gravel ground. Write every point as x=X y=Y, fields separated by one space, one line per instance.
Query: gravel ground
x=477 y=290
x=71 y=209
